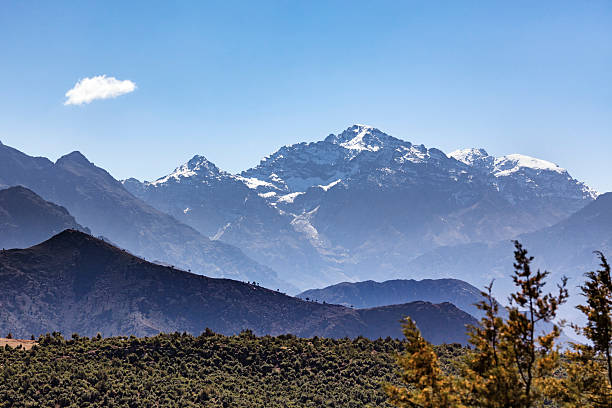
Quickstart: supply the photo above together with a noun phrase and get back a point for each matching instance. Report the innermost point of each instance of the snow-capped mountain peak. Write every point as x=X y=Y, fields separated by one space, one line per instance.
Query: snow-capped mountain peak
x=512 y=163
x=360 y=137
x=541 y=177
x=198 y=166
x=504 y=165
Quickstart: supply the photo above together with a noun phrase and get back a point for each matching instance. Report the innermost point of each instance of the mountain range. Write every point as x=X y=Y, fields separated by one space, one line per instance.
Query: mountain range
x=74 y=282
x=353 y=206
x=371 y=294
x=363 y=204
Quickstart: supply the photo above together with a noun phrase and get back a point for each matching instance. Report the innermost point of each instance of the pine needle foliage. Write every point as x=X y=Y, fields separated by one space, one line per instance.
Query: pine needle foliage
x=420 y=368
x=534 y=356
x=489 y=379
x=510 y=366
x=598 y=309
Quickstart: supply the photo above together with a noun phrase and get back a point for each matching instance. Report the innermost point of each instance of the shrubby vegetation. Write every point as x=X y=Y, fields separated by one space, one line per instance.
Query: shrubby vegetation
x=180 y=370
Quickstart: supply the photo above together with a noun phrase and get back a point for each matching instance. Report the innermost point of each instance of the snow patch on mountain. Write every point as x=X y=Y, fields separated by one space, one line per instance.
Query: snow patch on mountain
x=504 y=165
x=180 y=172
x=253 y=183
x=330 y=185
x=512 y=163
x=289 y=198
x=302 y=224
x=542 y=177
x=267 y=195
x=220 y=232
x=411 y=153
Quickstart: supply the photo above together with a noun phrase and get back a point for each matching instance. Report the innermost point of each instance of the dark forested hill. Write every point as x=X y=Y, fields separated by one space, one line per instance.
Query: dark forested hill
x=76 y=283
x=26 y=219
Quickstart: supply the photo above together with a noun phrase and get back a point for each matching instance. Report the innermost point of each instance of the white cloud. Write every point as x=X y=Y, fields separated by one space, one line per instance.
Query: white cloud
x=98 y=87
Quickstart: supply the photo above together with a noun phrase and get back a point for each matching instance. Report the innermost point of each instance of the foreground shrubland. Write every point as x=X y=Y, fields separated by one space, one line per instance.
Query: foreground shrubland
x=180 y=370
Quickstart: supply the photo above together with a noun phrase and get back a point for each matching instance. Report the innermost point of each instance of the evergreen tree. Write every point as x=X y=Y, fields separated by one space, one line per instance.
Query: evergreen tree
x=534 y=356
x=598 y=309
x=429 y=386
x=589 y=368
x=489 y=378
x=511 y=366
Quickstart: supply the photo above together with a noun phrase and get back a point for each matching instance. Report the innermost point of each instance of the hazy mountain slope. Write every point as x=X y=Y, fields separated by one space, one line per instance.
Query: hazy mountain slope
x=99 y=201
x=370 y=294
x=198 y=194
x=566 y=248
x=77 y=283
x=26 y=219
x=17 y=168
x=221 y=206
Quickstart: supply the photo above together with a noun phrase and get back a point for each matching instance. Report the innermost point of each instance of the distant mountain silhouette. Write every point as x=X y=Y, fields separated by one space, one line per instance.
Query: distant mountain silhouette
x=26 y=219
x=74 y=282
x=100 y=202
x=373 y=294
x=370 y=294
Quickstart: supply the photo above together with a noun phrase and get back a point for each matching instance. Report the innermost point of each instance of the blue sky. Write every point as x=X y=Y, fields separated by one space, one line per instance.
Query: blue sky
x=236 y=80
